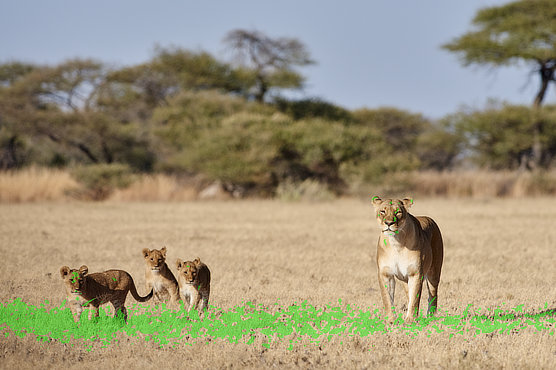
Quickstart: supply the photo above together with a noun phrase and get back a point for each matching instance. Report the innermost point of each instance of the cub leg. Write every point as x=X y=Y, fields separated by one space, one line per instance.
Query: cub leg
x=77 y=309
x=119 y=306
x=194 y=300
x=204 y=300
x=185 y=299
x=174 y=297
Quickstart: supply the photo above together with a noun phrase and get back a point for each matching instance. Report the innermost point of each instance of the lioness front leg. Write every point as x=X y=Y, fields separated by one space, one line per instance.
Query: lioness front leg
x=415 y=285
x=387 y=289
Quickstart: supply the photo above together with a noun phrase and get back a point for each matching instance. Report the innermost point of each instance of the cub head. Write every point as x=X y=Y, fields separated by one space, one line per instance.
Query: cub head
x=74 y=280
x=391 y=214
x=155 y=258
x=188 y=269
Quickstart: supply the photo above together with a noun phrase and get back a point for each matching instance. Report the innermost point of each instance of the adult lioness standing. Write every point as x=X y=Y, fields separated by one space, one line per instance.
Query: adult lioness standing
x=411 y=249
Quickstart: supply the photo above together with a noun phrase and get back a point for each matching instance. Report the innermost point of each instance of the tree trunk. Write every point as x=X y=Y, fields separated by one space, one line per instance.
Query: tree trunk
x=547 y=74
x=9 y=157
x=263 y=88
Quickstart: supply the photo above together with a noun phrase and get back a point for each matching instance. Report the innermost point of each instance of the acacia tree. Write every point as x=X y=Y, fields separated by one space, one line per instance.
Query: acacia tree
x=271 y=60
x=521 y=31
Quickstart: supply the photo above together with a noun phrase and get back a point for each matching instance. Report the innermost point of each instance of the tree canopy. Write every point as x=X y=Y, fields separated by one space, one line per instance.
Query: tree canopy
x=269 y=60
x=521 y=31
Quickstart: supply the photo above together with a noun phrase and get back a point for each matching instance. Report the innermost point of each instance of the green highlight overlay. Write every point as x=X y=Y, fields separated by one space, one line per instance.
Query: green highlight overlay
x=246 y=323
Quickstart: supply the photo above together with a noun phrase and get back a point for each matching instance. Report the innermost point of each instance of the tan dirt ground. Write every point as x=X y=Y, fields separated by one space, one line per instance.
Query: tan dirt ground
x=496 y=252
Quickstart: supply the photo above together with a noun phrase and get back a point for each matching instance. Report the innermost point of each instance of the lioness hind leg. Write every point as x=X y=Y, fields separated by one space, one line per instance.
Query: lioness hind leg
x=432 y=287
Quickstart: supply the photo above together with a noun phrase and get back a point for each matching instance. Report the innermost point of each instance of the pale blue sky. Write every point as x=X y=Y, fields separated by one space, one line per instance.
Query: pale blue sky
x=368 y=53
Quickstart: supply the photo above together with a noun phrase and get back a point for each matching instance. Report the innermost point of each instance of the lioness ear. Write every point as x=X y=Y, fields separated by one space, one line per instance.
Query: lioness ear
x=407 y=202
x=163 y=251
x=83 y=270
x=376 y=201
x=145 y=252
x=178 y=264
x=64 y=271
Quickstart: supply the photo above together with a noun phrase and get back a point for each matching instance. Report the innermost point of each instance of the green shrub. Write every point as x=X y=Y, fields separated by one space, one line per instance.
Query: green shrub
x=101 y=179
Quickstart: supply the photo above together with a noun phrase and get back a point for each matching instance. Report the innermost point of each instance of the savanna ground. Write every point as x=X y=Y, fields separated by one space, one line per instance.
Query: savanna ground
x=498 y=254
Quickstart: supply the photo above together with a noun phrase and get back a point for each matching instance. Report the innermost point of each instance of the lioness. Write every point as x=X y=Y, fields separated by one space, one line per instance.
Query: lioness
x=410 y=249
x=98 y=288
x=194 y=280
x=159 y=277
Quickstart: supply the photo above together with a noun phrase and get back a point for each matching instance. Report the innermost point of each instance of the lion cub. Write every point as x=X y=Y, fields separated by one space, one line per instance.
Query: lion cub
x=194 y=280
x=98 y=288
x=410 y=249
x=159 y=277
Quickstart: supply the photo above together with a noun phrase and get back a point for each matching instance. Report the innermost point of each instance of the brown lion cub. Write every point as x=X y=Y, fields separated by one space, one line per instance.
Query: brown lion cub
x=194 y=280
x=159 y=277
x=98 y=288
x=410 y=249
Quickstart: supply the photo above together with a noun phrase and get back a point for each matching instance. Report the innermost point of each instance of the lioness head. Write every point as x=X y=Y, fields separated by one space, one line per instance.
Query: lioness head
x=188 y=269
x=74 y=279
x=391 y=214
x=155 y=258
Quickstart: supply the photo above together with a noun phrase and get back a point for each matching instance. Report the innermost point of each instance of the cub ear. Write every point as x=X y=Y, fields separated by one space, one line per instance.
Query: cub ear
x=64 y=271
x=145 y=252
x=163 y=251
x=376 y=201
x=197 y=261
x=83 y=270
x=407 y=202
x=179 y=263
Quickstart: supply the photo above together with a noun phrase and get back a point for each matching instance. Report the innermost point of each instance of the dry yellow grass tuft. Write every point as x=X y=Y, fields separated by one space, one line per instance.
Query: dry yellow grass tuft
x=155 y=188
x=35 y=184
x=498 y=253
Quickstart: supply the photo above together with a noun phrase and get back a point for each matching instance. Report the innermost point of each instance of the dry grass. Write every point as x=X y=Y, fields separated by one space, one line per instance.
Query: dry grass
x=484 y=183
x=40 y=184
x=465 y=184
x=155 y=188
x=35 y=184
x=496 y=252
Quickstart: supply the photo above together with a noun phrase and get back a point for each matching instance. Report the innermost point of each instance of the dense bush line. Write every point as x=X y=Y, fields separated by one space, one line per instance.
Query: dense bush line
x=189 y=114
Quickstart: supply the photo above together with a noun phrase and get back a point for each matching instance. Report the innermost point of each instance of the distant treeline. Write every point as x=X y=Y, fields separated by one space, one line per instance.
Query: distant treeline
x=188 y=113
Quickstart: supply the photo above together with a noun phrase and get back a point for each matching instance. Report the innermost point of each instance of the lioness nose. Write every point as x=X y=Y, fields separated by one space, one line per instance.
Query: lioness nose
x=389 y=222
